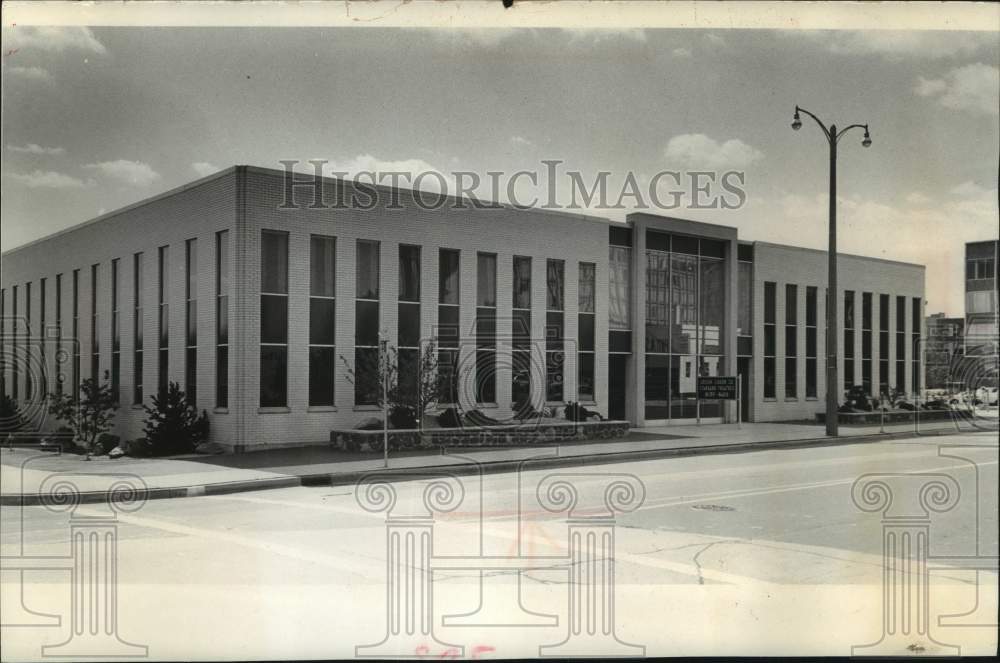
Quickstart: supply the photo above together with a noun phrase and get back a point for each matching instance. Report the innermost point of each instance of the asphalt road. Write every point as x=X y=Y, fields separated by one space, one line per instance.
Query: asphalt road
x=754 y=553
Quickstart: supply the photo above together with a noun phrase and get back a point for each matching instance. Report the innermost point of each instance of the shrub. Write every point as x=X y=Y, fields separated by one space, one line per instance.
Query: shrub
x=577 y=412
x=106 y=442
x=402 y=416
x=173 y=425
x=138 y=448
x=89 y=415
x=10 y=415
x=450 y=419
x=526 y=410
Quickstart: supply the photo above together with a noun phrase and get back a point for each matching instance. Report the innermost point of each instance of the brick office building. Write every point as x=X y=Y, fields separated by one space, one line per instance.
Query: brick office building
x=258 y=308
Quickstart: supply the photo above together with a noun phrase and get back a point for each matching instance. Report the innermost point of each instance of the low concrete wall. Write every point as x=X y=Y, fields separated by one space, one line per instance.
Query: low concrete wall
x=894 y=417
x=484 y=436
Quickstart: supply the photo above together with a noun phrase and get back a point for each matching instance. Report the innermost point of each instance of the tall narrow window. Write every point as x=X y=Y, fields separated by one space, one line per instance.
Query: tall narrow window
x=811 y=349
x=520 y=358
x=770 y=339
x=883 y=344
x=866 y=343
x=408 y=330
x=3 y=341
x=366 y=324
x=60 y=377
x=163 y=322
x=554 y=329
x=116 y=340
x=586 y=321
x=448 y=329
x=29 y=386
x=14 y=374
x=274 y=319
x=322 y=320
x=915 y=319
x=791 y=340
x=849 y=323
x=42 y=331
x=486 y=328
x=95 y=329
x=191 y=319
x=137 y=329
x=901 y=343
x=222 y=319
x=75 y=340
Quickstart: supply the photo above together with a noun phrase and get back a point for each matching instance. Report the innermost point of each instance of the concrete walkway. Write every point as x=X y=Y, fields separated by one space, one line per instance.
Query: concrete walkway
x=27 y=474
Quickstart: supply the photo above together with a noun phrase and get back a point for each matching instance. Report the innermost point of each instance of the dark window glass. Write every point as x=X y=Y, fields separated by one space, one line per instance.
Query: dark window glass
x=791 y=304
x=164 y=325
x=448 y=375
x=161 y=384
x=586 y=333
x=273 y=376
x=137 y=378
x=322 y=321
x=554 y=376
x=769 y=291
x=222 y=321
x=619 y=341
x=866 y=310
x=553 y=331
x=522 y=282
x=810 y=341
x=274 y=262
x=555 y=289
x=486 y=376
x=791 y=379
x=520 y=391
x=770 y=344
x=849 y=343
x=585 y=376
x=222 y=376
x=408 y=374
x=366 y=323
x=686 y=245
x=448 y=326
x=619 y=236
x=409 y=325
x=587 y=292
x=744 y=252
x=769 y=377
x=322 y=368
x=322 y=266
x=744 y=311
x=273 y=319
x=448 y=282
x=810 y=378
x=713 y=249
x=191 y=373
x=883 y=311
x=366 y=376
x=192 y=322
x=486 y=328
x=791 y=345
x=811 y=312
x=367 y=270
x=656 y=241
x=486 y=279
x=521 y=328
x=849 y=309
x=409 y=273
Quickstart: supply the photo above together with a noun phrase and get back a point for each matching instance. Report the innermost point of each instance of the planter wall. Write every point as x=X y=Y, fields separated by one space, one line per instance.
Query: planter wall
x=895 y=417
x=484 y=436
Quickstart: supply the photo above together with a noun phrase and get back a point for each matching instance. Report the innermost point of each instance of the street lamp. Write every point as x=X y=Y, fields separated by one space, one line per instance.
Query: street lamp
x=832 y=137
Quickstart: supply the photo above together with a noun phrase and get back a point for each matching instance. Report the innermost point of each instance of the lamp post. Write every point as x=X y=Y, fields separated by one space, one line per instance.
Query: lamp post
x=832 y=137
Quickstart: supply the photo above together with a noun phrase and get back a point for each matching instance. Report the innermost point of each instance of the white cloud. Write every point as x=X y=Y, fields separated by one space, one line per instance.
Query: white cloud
x=715 y=40
x=681 y=52
x=56 y=39
x=30 y=74
x=974 y=87
x=521 y=141
x=967 y=189
x=48 y=179
x=578 y=35
x=896 y=44
x=131 y=172
x=699 y=151
x=478 y=37
x=918 y=198
x=33 y=148
x=204 y=169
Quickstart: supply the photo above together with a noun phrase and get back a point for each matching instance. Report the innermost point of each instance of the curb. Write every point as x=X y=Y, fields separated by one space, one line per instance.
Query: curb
x=463 y=469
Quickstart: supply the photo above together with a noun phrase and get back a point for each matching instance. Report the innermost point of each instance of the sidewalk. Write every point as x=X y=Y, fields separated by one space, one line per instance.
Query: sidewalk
x=24 y=472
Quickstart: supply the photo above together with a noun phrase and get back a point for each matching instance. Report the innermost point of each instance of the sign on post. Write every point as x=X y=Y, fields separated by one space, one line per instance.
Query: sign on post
x=722 y=387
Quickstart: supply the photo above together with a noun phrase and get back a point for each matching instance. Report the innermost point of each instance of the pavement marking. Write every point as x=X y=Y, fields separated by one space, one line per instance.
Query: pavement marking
x=736 y=494
x=353 y=564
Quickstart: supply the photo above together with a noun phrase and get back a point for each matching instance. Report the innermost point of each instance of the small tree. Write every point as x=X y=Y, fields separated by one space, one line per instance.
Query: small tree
x=89 y=415
x=376 y=379
x=173 y=425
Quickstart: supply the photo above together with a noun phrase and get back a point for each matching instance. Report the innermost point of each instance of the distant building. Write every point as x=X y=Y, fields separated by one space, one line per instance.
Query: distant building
x=944 y=347
x=982 y=328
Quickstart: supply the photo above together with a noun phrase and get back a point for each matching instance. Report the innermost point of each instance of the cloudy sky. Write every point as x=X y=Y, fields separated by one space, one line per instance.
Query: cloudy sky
x=97 y=118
